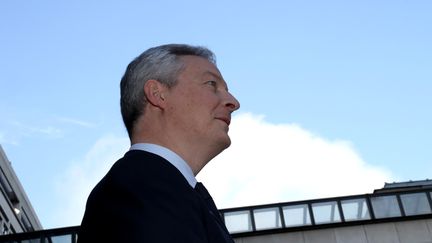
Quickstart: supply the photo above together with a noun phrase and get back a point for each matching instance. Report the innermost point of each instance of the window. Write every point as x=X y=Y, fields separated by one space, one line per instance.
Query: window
x=238 y=221
x=267 y=218
x=415 y=203
x=296 y=215
x=355 y=209
x=385 y=207
x=326 y=212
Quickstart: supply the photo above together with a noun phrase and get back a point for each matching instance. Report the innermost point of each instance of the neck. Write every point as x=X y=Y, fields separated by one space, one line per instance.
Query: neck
x=195 y=155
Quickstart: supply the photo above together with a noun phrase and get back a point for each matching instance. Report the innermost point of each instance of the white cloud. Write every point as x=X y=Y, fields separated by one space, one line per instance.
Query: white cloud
x=269 y=163
x=4 y=139
x=76 y=122
x=266 y=163
x=30 y=130
x=74 y=185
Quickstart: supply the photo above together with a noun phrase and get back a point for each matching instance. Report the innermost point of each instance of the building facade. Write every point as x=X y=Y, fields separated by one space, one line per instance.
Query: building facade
x=16 y=212
x=397 y=213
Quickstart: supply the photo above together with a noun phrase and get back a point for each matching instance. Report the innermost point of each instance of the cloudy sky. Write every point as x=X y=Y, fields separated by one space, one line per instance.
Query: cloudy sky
x=335 y=95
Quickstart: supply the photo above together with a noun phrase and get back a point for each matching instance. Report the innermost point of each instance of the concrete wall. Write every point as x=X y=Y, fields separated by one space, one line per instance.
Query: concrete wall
x=415 y=231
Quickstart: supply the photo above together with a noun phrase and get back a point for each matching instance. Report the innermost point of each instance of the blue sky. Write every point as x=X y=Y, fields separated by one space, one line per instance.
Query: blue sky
x=350 y=81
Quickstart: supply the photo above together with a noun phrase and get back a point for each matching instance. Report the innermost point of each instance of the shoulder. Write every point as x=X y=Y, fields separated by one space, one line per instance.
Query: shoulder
x=142 y=173
x=144 y=191
x=144 y=168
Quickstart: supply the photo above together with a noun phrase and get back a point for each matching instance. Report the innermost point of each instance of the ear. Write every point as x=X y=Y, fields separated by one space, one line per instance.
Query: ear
x=154 y=92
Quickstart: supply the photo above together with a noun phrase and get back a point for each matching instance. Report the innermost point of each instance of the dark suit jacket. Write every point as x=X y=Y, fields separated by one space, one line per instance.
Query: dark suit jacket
x=144 y=198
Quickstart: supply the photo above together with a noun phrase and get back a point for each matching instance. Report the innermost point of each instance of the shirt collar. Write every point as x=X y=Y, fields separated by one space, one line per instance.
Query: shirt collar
x=171 y=157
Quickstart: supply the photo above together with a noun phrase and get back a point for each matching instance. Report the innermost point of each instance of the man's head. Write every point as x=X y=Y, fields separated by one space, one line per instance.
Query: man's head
x=160 y=63
x=175 y=96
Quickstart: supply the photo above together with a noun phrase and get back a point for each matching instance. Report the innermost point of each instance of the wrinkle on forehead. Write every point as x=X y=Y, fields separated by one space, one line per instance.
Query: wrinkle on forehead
x=218 y=78
x=203 y=68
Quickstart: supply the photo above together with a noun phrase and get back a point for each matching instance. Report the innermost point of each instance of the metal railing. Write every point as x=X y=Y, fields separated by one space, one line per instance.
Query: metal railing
x=58 y=235
x=291 y=216
x=348 y=210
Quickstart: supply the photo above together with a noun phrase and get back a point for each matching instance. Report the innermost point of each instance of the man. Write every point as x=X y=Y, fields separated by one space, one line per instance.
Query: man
x=177 y=109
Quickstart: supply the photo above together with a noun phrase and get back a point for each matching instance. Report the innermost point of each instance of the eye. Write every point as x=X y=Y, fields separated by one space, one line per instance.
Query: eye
x=212 y=83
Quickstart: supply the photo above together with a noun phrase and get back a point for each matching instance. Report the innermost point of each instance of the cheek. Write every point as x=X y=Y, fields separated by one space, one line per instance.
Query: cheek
x=211 y=101
x=197 y=106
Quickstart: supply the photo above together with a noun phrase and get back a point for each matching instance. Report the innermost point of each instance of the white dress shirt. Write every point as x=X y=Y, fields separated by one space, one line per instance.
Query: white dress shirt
x=171 y=157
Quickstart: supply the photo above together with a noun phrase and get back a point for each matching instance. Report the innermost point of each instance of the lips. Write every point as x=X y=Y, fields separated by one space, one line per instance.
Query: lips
x=227 y=120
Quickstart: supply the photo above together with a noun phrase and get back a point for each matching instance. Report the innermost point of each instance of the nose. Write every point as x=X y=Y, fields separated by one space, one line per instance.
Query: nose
x=231 y=102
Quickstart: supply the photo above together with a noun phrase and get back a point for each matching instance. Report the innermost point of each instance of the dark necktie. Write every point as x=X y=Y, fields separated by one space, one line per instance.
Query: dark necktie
x=200 y=188
x=202 y=191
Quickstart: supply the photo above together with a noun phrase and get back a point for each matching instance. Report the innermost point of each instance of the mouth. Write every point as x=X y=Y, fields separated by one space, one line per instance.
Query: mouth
x=225 y=119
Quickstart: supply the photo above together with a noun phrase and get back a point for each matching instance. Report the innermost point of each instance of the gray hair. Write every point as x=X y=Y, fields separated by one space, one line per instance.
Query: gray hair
x=160 y=63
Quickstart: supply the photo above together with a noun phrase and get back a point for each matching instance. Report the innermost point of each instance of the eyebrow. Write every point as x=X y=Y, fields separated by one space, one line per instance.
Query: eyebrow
x=213 y=74
x=218 y=77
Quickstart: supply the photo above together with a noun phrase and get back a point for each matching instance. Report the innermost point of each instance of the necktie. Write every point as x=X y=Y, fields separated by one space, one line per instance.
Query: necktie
x=200 y=188
x=202 y=191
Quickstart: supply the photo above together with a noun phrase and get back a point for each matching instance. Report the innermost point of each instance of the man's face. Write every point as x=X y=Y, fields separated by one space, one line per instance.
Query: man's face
x=200 y=105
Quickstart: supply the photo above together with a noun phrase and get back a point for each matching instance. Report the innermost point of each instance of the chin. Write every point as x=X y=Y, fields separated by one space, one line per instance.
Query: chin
x=221 y=142
x=226 y=142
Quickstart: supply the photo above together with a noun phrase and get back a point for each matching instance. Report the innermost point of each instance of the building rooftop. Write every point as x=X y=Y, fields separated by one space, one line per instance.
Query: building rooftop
x=411 y=201
x=407 y=200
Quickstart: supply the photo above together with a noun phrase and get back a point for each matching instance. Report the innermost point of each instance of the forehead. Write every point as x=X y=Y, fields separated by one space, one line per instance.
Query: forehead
x=200 y=67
